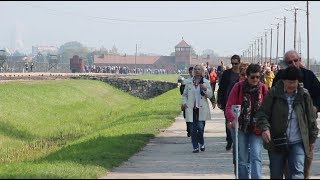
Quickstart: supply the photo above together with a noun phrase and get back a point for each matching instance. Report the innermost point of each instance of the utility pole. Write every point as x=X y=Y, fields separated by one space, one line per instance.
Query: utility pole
x=255 y=50
x=265 y=53
x=277 y=43
x=295 y=28
x=252 y=52
x=284 y=36
x=299 y=45
x=258 y=56
x=271 y=47
x=284 y=33
x=261 y=51
x=308 y=60
x=295 y=25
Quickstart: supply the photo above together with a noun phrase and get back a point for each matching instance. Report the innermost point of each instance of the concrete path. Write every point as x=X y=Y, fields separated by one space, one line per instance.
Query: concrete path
x=169 y=155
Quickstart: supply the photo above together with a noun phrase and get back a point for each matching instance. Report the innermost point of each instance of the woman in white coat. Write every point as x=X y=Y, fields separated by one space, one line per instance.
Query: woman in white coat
x=195 y=102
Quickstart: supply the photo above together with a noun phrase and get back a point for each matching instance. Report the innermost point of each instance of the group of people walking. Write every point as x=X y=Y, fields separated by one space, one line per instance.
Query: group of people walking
x=278 y=114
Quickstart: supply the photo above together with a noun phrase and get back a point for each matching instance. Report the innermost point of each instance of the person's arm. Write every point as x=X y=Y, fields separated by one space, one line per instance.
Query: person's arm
x=221 y=89
x=232 y=100
x=185 y=97
x=182 y=88
x=316 y=91
x=312 y=121
x=264 y=112
x=208 y=92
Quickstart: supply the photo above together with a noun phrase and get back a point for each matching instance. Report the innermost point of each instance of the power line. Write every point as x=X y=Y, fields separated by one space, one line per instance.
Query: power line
x=158 y=21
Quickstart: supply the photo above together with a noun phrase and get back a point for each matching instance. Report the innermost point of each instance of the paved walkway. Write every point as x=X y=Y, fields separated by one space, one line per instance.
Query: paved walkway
x=169 y=155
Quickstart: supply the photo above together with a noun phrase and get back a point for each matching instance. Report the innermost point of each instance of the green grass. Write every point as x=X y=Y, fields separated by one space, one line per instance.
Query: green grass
x=158 y=77
x=75 y=128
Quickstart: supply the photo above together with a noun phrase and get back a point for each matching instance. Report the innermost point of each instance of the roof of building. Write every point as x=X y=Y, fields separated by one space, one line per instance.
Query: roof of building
x=182 y=44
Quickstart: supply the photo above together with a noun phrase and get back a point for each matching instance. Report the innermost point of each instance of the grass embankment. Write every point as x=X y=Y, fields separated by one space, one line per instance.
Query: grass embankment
x=75 y=128
x=158 y=77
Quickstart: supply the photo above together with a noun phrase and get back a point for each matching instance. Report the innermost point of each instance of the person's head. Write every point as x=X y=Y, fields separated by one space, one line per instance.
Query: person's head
x=253 y=74
x=190 y=70
x=243 y=68
x=291 y=77
x=235 y=62
x=198 y=70
x=292 y=58
x=268 y=70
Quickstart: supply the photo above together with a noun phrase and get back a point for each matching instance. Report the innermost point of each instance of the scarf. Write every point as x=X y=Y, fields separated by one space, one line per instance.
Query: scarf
x=250 y=104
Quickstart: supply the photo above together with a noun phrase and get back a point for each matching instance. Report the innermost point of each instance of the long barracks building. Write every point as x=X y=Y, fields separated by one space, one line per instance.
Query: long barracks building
x=181 y=60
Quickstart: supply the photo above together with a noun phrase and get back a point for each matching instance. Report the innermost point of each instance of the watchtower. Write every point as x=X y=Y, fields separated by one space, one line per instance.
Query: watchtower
x=53 y=61
x=3 y=59
x=182 y=55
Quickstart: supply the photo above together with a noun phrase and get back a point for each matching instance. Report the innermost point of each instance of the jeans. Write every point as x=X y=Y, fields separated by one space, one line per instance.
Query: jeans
x=249 y=154
x=295 y=157
x=197 y=130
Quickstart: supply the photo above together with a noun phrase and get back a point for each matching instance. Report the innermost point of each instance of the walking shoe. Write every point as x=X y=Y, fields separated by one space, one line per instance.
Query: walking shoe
x=202 y=148
x=196 y=150
x=228 y=147
x=188 y=134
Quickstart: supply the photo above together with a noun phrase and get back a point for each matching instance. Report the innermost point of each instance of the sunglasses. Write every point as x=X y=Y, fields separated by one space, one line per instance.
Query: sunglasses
x=290 y=62
x=234 y=63
x=254 y=77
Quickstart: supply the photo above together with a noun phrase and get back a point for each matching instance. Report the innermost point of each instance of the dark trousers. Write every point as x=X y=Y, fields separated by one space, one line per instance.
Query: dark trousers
x=228 y=132
x=213 y=99
x=188 y=124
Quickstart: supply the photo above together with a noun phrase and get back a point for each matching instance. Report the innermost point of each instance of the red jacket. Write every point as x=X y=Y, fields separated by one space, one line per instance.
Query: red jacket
x=236 y=97
x=213 y=76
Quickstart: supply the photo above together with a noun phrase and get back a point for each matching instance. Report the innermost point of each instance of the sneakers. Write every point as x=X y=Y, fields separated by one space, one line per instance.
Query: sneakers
x=196 y=150
x=202 y=148
x=228 y=147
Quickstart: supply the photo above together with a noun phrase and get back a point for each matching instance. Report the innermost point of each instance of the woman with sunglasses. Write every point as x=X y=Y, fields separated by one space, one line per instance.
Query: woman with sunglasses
x=249 y=94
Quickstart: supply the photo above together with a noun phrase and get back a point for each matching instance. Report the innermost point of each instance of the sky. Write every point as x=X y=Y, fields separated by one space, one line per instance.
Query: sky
x=227 y=27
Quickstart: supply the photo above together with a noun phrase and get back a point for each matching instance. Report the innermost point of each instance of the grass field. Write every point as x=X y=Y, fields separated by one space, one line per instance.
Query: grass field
x=75 y=128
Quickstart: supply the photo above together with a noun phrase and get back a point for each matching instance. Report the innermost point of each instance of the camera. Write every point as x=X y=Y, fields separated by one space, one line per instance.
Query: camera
x=281 y=144
x=202 y=92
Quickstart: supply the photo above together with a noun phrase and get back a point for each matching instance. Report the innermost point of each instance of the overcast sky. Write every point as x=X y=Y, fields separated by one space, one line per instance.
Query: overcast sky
x=226 y=27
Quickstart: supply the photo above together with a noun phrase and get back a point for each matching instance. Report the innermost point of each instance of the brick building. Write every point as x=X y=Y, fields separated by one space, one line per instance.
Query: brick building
x=181 y=60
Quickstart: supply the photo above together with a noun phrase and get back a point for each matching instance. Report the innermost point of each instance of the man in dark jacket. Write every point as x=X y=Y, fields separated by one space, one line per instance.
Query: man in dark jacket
x=310 y=82
x=225 y=85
